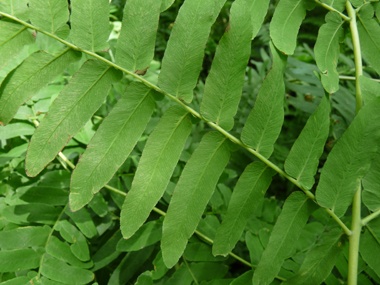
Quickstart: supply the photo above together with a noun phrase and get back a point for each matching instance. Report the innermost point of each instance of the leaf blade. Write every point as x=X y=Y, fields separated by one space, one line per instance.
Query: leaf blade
x=90 y=174
x=294 y=215
x=156 y=166
x=81 y=98
x=248 y=192
x=303 y=159
x=191 y=195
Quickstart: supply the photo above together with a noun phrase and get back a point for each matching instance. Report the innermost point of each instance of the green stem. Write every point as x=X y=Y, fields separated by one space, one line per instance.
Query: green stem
x=356 y=224
x=352 y=78
x=370 y=217
x=189 y=109
x=344 y=17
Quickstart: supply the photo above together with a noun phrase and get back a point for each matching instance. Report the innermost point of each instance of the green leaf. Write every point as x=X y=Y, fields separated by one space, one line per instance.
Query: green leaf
x=199 y=251
x=99 y=205
x=107 y=252
x=16 y=8
x=83 y=221
x=17 y=281
x=43 y=193
x=303 y=159
x=136 y=43
x=62 y=272
x=145 y=279
x=370 y=88
x=166 y=5
x=61 y=250
x=295 y=213
x=90 y=24
x=49 y=15
x=148 y=234
x=248 y=193
x=102 y=157
x=74 y=106
x=243 y=279
x=370 y=250
x=371 y=185
x=130 y=264
x=337 y=4
x=19 y=259
x=24 y=237
x=350 y=160
x=286 y=21
x=184 y=53
x=156 y=166
x=369 y=41
x=255 y=247
x=13 y=38
x=16 y=130
x=264 y=122
x=192 y=193
x=327 y=51
x=32 y=75
x=31 y=213
x=319 y=261
x=224 y=83
x=71 y=234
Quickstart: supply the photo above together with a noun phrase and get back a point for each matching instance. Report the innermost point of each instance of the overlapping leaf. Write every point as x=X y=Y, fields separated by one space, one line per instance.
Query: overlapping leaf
x=350 y=160
x=89 y=24
x=327 y=51
x=135 y=46
x=182 y=62
x=13 y=38
x=303 y=159
x=226 y=78
x=248 y=193
x=50 y=15
x=35 y=73
x=295 y=213
x=192 y=193
x=371 y=185
x=286 y=21
x=75 y=105
x=320 y=260
x=103 y=157
x=370 y=43
x=370 y=88
x=264 y=123
x=16 y=8
x=159 y=158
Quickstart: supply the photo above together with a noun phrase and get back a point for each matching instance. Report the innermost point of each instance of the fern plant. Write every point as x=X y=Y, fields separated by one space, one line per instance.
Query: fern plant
x=52 y=236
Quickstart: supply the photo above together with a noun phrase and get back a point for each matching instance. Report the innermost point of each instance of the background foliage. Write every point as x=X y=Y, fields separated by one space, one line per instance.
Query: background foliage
x=43 y=242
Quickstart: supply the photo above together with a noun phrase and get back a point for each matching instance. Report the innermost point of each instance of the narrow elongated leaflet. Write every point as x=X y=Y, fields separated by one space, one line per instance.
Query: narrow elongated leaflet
x=83 y=221
x=224 y=83
x=370 y=88
x=368 y=29
x=19 y=259
x=16 y=8
x=135 y=46
x=13 y=38
x=73 y=107
x=61 y=250
x=303 y=159
x=50 y=15
x=102 y=157
x=66 y=274
x=327 y=51
x=32 y=75
x=182 y=61
x=192 y=193
x=350 y=160
x=24 y=237
x=90 y=24
x=264 y=123
x=156 y=166
x=320 y=260
x=258 y=12
x=371 y=185
x=248 y=193
x=370 y=250
x=286 y=21
x=295 y=213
